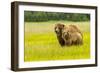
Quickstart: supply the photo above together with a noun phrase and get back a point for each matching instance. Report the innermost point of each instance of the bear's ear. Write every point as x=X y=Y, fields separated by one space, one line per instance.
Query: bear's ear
x=62 y=26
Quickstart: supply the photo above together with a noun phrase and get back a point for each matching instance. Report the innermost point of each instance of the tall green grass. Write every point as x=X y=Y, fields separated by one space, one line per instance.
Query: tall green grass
x=41 y=42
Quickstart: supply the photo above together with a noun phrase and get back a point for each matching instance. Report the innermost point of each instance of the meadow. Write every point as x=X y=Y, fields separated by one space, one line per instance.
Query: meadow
x=41 y=43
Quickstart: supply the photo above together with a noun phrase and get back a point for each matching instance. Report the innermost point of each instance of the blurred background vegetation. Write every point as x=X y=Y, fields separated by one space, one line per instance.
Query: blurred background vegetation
x=40 y=16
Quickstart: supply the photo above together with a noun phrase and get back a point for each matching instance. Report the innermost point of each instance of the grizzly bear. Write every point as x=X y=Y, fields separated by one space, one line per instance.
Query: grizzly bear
x=58 y=29
x=71 y=38
x=68 y=35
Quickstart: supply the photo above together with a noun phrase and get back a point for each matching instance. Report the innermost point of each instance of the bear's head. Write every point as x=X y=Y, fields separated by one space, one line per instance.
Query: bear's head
x=66 y=35
x=58 y=29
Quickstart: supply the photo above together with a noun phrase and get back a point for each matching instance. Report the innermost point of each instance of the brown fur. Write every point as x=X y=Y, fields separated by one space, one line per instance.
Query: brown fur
x=72 y=38
x=58 y=29
x=68 y=35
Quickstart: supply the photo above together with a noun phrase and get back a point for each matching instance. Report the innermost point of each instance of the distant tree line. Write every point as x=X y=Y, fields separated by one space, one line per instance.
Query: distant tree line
x=37 y=16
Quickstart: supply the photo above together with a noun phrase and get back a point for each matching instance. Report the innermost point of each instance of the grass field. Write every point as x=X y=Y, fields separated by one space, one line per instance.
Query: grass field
x=41 y=43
